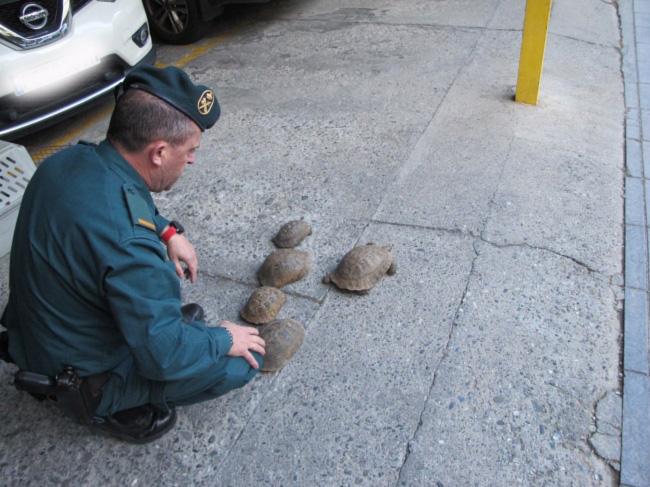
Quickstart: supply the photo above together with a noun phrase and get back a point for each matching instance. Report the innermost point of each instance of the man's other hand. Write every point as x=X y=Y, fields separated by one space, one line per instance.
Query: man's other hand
x=244 y=339
x=179 y=249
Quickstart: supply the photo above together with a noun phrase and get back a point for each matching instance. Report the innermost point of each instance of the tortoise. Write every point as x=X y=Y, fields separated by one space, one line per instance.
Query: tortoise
x=362 y=267
x=283 y=267
x=283 y=338
x=263 y=305
x=291 y=234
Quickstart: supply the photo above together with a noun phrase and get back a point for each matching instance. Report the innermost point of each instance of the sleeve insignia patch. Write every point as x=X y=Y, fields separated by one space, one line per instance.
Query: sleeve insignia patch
x=146 y=224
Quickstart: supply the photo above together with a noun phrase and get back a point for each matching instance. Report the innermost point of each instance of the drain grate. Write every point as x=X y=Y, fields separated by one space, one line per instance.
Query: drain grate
x=16 y=169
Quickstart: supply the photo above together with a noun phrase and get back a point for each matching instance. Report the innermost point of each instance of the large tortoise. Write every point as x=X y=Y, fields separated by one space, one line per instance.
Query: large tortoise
x=362 y=267
x=283 y=338
x=283 y=267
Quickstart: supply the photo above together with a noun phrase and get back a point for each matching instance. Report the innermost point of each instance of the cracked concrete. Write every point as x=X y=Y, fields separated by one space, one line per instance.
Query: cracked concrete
x=393 y=122
x=437 y=368
x=605 y=438
x=615 y=280
x=509 y=373
x=533 y=247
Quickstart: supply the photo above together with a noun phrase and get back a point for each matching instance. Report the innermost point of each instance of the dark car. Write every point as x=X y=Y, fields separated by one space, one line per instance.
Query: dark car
x=184 y=21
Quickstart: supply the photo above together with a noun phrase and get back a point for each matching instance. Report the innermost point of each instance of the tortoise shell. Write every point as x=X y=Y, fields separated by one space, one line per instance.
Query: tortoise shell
x=362 y=267
x=291 y=234
x=263 y=305
x=283 y=267
x=283 y=338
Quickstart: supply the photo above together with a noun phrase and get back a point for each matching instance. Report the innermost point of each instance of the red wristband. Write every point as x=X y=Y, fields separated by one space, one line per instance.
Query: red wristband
x=168 y=233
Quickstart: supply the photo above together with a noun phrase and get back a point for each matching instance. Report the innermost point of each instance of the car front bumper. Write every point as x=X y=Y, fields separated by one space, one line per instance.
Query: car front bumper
x=43 y=85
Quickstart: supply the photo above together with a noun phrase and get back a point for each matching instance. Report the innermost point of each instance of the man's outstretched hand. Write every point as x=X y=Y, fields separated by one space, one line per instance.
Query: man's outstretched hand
x=179 y=249
x=244 y=339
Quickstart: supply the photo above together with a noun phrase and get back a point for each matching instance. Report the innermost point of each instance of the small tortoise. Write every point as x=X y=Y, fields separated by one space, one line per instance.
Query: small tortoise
x=263 y=305
x=283 y=338
x=283 y=267
x=291 y=234
x=362 y=267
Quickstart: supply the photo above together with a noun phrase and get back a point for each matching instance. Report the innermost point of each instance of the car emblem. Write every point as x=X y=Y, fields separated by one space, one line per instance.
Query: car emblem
x=33 y=16
x=205 y=102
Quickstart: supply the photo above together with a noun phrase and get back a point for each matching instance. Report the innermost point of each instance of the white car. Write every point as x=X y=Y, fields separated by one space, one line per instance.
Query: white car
x=58 y=55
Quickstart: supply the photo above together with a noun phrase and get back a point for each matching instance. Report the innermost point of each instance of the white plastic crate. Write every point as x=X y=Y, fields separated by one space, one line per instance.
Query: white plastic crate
x=16 y=169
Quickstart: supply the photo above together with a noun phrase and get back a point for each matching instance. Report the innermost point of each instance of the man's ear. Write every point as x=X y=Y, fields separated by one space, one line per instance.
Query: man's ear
x=156 y=152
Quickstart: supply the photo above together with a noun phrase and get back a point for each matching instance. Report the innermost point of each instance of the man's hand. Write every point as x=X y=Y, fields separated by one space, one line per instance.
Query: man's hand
x=179 y=249
x=244 y=339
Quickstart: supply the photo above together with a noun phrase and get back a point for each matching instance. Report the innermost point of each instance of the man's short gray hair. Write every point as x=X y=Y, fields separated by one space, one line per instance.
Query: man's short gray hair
x=139 y=118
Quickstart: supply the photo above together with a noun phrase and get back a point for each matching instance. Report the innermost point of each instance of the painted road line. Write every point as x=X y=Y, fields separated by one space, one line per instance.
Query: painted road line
x=195 y=52
x=67 y=138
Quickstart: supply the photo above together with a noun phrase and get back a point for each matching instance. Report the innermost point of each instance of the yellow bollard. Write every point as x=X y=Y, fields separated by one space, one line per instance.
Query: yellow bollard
x=531 y=58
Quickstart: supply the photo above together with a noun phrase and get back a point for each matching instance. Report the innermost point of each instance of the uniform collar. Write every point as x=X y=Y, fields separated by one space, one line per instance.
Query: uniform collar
x=121 y=165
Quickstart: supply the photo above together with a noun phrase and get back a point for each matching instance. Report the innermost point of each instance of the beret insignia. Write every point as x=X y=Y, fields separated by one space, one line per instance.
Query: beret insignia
x=206 y=100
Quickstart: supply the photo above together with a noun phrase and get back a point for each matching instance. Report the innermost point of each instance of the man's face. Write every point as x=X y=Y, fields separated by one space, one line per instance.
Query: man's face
x=175 y=157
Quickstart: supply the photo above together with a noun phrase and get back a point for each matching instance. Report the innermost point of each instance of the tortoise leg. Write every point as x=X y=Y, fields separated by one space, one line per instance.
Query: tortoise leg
x=392 y=269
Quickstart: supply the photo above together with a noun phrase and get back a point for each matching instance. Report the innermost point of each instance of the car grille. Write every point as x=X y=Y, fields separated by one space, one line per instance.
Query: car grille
x=25 y=37
x=10 y=13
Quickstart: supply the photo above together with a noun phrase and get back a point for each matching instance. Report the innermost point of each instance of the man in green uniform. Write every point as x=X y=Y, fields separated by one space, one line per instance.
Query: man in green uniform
x=95 y=269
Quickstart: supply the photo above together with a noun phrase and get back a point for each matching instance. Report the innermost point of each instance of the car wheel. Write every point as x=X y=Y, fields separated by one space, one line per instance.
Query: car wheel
x=175 y=21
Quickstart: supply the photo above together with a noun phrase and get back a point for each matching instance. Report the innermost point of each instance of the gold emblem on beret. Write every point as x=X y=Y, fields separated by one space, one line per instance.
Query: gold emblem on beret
x=206 y=100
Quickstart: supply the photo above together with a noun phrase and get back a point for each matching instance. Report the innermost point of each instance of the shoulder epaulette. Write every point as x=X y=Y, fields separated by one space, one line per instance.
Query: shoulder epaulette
x=140 y=212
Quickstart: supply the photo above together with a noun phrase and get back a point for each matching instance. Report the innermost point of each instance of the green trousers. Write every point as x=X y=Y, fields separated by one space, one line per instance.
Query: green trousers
x=134 y=390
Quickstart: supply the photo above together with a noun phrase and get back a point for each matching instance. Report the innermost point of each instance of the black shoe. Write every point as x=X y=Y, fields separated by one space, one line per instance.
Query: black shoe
x=4 y=348
x=137 y=425
x=192 y=312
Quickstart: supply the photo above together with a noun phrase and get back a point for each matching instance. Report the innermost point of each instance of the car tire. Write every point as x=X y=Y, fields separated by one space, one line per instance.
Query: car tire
x=175 y=21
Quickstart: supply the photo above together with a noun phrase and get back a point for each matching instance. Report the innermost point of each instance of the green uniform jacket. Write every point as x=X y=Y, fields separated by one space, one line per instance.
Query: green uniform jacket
x=90 y=283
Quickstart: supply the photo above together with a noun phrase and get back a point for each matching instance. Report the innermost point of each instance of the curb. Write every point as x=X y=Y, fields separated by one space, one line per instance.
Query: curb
x=635 y=448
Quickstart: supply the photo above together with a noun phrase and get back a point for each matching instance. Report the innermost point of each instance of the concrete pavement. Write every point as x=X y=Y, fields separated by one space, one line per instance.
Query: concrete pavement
x=493 y=356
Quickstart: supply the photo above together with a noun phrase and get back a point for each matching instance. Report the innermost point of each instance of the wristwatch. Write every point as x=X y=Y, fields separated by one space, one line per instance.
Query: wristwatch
x=174 y=228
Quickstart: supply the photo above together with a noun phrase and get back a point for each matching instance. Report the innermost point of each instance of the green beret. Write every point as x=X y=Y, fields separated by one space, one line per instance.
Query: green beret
x=174 y=86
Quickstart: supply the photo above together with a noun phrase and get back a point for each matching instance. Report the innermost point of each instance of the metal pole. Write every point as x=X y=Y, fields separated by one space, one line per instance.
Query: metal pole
x=533 y=43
